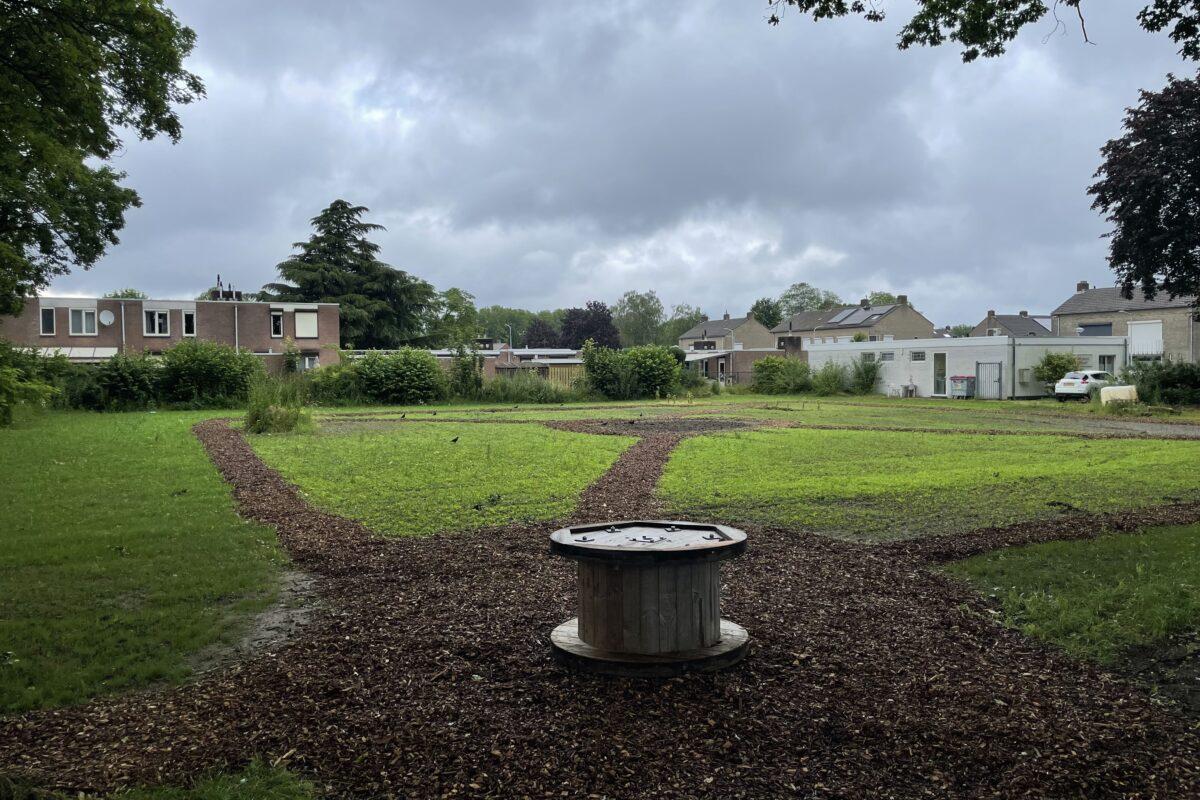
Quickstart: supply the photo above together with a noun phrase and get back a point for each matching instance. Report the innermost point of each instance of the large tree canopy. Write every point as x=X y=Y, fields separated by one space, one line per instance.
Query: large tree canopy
x=453 y=319
x=985 y=27
x=381 y=307
x=806 y=297
x=768 y=311
x=72 y=72
x=1149 y=189
x=593 y=322
x=638 y=317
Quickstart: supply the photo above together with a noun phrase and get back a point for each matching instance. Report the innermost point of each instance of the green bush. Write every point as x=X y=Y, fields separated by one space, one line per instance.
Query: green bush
x=644 y=371
x=1174 y=383
x=24 y=380
x=276 y=404
x=124 y=383
x=830 y=379
x=526 y=387
x=1053 y=366
x=466 y=374
x=864 y=375
x=778 y=375
x=199 y=374
x=406 y=376
x=335 y=385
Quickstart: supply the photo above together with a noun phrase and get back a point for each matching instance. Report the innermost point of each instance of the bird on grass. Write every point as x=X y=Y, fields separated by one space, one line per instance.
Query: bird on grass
x=405 y=414
x=455 y=439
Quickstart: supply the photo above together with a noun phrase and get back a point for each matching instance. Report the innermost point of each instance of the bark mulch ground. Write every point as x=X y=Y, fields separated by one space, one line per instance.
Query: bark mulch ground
x=430 y=675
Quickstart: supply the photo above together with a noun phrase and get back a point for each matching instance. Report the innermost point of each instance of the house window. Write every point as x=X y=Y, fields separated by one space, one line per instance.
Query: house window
x=887 y=337
x=189 y=323
x=310 y=362
x=83 y=322
x=306 y=324
x=1104 y=329
x=993 y=332
x=872 y=338
x=868 y=356
x=1108 y=363
x=277 y=324
x=887 y=356
x=704 y=345
x=156 y=323
x=917 y=355
x=47 y=322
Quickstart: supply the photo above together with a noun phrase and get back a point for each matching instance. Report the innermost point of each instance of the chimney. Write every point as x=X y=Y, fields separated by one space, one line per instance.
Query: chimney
x=726 y=315
x=902 y=299
x=1082 y=286
x=864 y=303
x=750 y=314
x=1024 y=313
x=991 y=313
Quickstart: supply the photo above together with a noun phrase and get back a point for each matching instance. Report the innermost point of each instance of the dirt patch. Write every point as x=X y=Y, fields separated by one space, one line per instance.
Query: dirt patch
x=297 y=606
x=1170 y=669
x=431 y=676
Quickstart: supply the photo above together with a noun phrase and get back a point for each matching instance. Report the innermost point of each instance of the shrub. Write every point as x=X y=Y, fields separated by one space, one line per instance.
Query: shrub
x=525 y=387
x=1171 y=382
x=291 y=357
x=124 y=383
x=276 y=405
x=406 y=376
x=23 y=380
x=864 y=375
x=1053 y=366
x=199 y=373
x=334 y=385
x=79 y=387
x=778 y=375
x=645 y=371
x=830 y=379
x=466 y=374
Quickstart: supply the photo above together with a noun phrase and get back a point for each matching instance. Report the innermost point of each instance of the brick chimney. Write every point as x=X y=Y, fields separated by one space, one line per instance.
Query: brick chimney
x=864 y=303
x=991 y=313
x=901 y=299
x=1082 y=286
x=1024 y=313
x=726 y=315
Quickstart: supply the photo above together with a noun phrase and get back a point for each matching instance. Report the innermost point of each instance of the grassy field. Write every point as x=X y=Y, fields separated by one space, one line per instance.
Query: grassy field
x=1096 y=599
x=886 y=485
x=414 y=478
x=121 y=556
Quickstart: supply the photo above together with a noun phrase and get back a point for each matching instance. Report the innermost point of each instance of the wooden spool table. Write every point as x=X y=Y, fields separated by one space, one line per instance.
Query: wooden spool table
x=649 y=598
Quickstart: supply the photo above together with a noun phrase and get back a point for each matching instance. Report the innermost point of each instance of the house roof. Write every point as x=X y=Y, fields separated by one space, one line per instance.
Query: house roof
x=835 y=318
x=714 y=327
x=1108 y=298
x=1019 y=325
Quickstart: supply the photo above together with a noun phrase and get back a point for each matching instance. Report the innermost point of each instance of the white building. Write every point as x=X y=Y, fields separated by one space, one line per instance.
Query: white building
x=1001 y=365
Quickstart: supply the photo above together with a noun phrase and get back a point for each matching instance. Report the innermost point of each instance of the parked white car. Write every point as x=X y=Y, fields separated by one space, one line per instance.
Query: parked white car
x=1080 y=385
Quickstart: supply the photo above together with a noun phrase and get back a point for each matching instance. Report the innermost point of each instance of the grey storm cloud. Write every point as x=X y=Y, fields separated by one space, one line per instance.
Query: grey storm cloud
x=545 y=154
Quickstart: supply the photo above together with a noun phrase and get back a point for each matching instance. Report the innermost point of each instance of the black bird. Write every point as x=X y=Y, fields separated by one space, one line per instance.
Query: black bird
x=405 y=414
x=455 y=439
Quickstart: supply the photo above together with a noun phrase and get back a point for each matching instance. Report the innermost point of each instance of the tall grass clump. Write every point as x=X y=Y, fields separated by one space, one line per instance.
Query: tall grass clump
x=335 y=385
x=276 y=404
x=832 y=378
x=864 y=375
x=525 y=387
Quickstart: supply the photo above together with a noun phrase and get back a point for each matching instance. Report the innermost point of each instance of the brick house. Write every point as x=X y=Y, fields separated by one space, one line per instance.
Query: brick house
x=1160 y=328
x=727 y=333
x=882 y=323
x=1010 y=325
x=88 y=329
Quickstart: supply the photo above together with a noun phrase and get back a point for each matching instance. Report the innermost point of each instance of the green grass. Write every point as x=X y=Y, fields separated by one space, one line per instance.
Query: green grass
x=412 y=479
x=120 y=557
x=1097 y=598
x=885 y=485
x=257 y=781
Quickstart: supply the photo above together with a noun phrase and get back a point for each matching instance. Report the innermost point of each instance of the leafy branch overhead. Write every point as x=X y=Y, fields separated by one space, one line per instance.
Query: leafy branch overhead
x=72 y=74
x=985 y=27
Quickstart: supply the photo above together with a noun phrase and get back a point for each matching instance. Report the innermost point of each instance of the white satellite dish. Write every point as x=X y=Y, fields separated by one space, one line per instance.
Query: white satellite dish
x=106 y=317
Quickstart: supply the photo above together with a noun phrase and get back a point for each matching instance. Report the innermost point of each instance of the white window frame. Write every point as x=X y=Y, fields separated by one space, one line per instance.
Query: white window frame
x=299 y=318
x=186 y=316
x=309 y=362
x=42 y=322
x=156 y=312
x=82 y=321
x=276 y=315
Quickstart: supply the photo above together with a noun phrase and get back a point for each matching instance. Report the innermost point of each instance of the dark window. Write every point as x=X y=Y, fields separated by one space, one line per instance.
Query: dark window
x=189 y=323
x=47 y=322
x=1104 y=329
x=704 y=345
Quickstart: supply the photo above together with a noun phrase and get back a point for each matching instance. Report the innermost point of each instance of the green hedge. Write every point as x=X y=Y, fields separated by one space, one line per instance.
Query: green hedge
x=637 y=372
x=206 y=374
x=778 y=375
x=407 y=376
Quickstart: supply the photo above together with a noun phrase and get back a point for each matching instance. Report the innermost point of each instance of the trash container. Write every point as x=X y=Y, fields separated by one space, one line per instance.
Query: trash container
x=962 y=386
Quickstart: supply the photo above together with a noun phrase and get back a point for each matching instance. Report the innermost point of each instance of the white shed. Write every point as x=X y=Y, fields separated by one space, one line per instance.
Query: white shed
x=1001 y=365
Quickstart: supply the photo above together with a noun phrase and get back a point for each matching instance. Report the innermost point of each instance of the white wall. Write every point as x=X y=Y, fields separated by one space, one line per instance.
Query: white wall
x=965 y=354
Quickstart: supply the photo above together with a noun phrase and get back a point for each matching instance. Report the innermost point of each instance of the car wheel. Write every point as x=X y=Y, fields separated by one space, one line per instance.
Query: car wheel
x=1060 y=398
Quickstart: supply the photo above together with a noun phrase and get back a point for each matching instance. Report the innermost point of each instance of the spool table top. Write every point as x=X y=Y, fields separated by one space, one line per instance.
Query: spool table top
x=644 y=542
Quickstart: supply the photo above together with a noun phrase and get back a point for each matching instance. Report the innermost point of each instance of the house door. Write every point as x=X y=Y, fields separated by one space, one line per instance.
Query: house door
x=721 y=372
x=939 y=374
x=987 y=380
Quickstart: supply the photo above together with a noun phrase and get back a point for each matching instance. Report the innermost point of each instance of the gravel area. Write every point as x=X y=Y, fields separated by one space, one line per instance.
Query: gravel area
x=429 y=675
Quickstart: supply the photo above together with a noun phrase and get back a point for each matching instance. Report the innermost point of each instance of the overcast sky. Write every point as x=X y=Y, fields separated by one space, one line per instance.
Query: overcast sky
x=544 y=154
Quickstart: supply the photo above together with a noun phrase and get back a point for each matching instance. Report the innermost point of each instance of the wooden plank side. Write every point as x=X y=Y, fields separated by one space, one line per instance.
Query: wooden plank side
x=612 y=632
x=687 y=625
